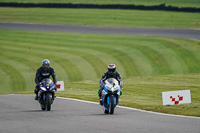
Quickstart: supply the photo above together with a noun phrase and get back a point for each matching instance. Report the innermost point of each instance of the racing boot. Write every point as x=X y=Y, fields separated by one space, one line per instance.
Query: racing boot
x=36 y=94
x=100 y=99
x=36 y=97
x=101 y=102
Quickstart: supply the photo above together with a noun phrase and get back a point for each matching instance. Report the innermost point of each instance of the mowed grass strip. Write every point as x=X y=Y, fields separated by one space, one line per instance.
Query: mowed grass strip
x=23 y=51
x=151 y=48
x=145 y=92
x=179 y=3
x=98 y=17
x=17 y=81
x=33 y=65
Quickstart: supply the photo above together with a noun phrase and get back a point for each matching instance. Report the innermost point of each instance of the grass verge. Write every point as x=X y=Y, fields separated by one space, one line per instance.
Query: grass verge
x=148 y=65
x=98 y=17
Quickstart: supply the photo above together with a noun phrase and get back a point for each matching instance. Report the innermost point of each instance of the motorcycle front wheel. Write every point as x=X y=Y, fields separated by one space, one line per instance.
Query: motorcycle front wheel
x=48 y=102
x=111 y=105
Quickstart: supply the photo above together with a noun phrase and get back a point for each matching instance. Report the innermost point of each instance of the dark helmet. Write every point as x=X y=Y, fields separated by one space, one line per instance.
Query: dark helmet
x=45 y=63
x=111 y=68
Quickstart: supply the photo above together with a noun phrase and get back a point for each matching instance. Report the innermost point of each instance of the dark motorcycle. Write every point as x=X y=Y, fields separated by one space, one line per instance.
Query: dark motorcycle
x=46 y=94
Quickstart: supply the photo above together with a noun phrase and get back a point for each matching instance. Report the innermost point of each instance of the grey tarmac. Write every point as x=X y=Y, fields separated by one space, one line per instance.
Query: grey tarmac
x=22 y=114
x=185 y=33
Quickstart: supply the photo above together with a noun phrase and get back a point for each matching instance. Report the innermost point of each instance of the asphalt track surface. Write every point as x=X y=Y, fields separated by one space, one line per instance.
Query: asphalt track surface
x=185 y=33
x=22 y=114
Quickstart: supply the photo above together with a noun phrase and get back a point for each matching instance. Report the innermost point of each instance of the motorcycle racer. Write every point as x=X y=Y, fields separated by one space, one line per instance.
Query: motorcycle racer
x=111 y=73
x=45 y=71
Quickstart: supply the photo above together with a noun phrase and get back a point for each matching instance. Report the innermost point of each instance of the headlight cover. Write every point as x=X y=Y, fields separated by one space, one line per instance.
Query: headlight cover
x=42 y=88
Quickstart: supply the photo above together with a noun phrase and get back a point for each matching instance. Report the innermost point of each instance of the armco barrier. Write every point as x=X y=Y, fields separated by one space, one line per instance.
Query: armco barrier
x=115 y=6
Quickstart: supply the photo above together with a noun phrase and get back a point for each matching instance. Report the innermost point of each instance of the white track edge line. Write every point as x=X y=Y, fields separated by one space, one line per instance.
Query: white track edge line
x=129 y=108
x=123 y=107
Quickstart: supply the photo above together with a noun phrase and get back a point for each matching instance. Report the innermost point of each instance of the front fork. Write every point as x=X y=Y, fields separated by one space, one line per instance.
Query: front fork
x=42 y=95
x=115 y=99
x=106 y=100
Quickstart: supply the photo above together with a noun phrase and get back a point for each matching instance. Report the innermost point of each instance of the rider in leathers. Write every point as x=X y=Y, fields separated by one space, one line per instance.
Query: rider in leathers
x=111 y=73
x=44 y=72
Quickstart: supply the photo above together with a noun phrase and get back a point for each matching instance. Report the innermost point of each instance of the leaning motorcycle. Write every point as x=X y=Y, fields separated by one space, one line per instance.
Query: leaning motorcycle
x=46 y=94
x=110 y=95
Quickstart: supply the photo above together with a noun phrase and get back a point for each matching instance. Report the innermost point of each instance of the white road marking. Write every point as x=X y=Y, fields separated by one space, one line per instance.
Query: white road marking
x=123 y=107
x=129 y=108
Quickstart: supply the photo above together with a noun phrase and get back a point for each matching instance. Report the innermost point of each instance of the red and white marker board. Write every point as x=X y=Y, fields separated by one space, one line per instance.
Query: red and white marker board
x=176 y=97
x=60 y=86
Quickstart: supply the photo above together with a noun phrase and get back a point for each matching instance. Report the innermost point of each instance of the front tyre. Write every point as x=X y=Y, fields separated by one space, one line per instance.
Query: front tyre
x=111 y=105
x=42 y=102
x=48 y=102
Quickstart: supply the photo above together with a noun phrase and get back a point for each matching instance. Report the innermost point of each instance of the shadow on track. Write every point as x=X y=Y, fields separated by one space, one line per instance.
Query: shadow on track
x=33 y=111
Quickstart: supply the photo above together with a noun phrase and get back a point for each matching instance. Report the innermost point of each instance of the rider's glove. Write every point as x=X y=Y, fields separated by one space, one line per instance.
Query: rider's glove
x=55 y=87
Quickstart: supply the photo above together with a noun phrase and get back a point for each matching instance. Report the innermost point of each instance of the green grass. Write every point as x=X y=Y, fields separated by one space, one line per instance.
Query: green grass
x=148 y=65
x=98 y=17
x=179 y=3
x=145 y=92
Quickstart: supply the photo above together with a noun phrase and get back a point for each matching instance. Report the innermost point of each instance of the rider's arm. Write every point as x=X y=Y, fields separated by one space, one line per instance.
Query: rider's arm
x=53 y=76
x=103 y=79
x=119 y=79
x=37 y=76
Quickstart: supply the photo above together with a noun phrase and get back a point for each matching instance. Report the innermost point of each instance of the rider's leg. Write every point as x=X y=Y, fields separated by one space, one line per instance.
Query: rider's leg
x=36 y=91
x=100 y=91
x=100 y=94
x=121 y=92
x=101 y=88
x=54 y=93
x=121 y=86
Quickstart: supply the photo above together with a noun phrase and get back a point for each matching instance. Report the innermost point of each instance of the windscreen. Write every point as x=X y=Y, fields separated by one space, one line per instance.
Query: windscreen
x=112 y=81
x=46 y=81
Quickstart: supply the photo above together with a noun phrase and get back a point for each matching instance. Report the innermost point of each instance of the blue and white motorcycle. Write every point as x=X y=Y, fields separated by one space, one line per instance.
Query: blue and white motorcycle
x=46 y=94
x=110 y=95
